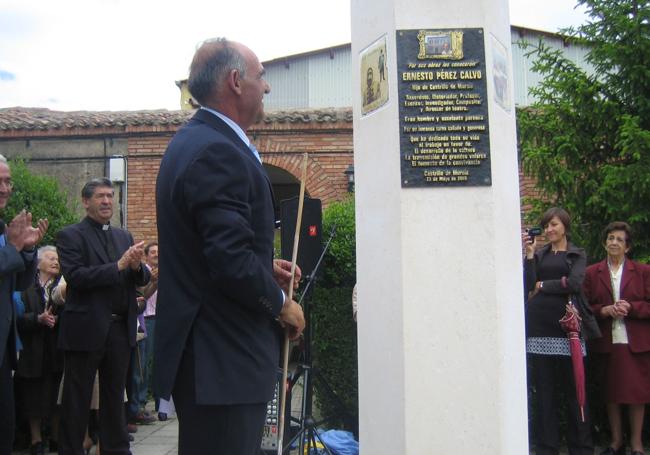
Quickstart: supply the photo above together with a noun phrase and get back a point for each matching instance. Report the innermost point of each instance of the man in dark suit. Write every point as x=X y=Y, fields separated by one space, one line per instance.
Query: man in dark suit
x=17 y=272
x=102 y=268
x=220 y=300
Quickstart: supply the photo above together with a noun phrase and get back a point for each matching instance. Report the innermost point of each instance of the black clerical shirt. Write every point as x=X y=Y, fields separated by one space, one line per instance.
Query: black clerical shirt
x=119 y=302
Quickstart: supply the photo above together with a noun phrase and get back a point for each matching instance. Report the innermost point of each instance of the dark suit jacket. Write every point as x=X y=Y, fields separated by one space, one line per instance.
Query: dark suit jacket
x=91 y=278
x=17 y=271
x=635 y=289
x=216 y=292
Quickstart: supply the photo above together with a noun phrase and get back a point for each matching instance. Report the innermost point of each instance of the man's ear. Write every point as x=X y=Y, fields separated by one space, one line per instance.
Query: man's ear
x=234 y=81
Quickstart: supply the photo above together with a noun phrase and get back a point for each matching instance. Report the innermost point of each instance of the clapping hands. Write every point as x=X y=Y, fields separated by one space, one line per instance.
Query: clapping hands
x=132 y=257
x=22 y=235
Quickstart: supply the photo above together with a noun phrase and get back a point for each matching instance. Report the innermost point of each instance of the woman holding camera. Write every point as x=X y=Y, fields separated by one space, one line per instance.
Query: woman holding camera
x=552 y=274
x=618 y=290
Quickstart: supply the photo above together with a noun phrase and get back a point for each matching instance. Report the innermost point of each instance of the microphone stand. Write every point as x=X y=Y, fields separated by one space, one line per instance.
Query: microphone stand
x=305 y=369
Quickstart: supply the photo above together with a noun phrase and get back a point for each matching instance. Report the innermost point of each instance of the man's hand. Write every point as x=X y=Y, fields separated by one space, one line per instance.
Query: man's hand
x=132 y=257
x=22 y=235
x=137 y=255
x=154 y=274
x=14 y=231
x=282 y=274
x=33 y=235
x=292 y=318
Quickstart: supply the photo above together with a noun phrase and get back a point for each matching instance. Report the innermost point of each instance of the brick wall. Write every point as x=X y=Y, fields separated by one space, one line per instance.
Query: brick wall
x=329 y=148
x=143 y=162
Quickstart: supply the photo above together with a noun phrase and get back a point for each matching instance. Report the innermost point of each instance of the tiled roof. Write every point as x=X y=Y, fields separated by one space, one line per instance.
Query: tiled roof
x=21 y=118
x=310 y=115
x=41 y=119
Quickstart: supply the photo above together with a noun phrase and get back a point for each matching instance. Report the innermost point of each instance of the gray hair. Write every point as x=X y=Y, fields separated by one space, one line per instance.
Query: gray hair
x=213 y=60
x=89 y=188
x=44 y=249
x=3 y=159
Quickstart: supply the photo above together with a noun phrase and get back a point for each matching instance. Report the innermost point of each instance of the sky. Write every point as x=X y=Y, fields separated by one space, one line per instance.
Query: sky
x=118 y=55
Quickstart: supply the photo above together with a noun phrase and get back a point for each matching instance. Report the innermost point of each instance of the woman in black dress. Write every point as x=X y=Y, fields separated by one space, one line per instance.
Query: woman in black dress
x=40 y=364
x=551 y=274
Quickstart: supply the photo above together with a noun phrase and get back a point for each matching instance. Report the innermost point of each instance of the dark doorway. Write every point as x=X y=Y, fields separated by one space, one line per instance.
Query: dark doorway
x=285 y=186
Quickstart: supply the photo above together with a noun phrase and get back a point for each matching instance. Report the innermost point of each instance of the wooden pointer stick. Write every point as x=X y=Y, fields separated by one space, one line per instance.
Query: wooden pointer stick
x=285 y=353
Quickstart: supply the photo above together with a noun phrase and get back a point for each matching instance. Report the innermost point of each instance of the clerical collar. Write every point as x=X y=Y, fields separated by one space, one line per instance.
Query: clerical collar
x=96 y=225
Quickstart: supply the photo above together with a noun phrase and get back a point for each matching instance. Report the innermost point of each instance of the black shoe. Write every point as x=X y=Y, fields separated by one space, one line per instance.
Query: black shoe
x=612 y=451
x=54 y=446
x=162 y=416
x=37 y=449
x=131 y=438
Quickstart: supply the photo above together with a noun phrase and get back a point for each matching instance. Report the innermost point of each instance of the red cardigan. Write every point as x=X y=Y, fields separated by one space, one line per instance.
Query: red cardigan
x=635 y=289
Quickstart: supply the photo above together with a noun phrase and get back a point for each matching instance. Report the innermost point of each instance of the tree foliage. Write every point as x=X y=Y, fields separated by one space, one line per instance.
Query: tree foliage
x=335 y=332
x=587 y=138
x=41 y=196
x=340 y=265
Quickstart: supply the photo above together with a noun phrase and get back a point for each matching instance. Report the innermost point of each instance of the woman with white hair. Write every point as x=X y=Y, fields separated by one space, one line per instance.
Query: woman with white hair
x=40 y=364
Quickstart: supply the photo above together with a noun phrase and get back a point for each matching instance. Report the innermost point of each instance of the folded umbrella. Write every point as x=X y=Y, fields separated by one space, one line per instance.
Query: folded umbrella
x=570 y=323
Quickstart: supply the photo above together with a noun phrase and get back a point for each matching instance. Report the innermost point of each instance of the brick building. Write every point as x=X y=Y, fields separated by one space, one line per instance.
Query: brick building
x=128 y=146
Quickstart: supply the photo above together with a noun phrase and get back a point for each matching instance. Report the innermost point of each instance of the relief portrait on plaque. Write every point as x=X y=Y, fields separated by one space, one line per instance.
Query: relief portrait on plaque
x=500 y=74
x=373 y=76
x=444 y=45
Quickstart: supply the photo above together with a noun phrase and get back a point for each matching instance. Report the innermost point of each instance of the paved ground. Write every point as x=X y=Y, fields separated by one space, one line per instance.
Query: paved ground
x=159 y=438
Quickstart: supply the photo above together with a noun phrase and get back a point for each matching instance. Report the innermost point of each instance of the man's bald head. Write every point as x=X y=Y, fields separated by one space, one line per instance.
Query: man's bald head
x=212 y=62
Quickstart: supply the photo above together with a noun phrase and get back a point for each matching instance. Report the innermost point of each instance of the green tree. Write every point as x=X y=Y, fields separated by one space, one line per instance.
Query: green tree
x=41 y=196
x=587 y=138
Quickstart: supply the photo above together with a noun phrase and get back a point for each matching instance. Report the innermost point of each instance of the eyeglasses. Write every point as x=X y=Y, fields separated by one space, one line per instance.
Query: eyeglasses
x=7 y=183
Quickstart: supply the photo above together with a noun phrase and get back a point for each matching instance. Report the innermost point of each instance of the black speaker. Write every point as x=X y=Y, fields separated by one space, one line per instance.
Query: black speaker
x=310 y=243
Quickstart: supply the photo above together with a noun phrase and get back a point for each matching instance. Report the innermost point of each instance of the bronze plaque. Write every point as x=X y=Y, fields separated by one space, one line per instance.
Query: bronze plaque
x=443 y=112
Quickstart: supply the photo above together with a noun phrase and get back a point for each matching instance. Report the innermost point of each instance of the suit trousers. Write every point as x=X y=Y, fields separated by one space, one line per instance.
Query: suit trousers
x=553 y=374
x=7 y=408
x=214 y=429
x=150 y=325
x=136 y=386
x=80 y=366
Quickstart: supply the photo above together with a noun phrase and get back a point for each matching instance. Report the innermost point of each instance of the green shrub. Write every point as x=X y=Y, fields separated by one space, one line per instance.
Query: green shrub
x=41 y=196
x=339 y=265
x=335 y=352
x=335 y=332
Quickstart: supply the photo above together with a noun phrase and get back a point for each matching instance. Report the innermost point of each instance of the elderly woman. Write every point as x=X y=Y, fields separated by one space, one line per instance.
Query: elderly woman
x=618 y=290
x=551 y=274
x=40 y=364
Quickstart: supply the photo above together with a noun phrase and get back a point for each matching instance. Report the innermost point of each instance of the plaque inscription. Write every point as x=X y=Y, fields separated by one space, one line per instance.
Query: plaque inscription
x=443 y=112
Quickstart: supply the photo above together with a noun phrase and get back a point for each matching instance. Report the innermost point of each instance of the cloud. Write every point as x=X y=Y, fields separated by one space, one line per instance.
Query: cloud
x=7 y=76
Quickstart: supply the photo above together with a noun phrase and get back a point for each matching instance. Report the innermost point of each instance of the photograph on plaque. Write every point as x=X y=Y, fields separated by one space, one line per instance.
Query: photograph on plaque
x=443 y=45
x=374 y=76
x=500 y=74
x=443 y=106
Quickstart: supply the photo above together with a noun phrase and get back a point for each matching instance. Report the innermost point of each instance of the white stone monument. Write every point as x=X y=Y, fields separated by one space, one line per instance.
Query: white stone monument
x=441 y=320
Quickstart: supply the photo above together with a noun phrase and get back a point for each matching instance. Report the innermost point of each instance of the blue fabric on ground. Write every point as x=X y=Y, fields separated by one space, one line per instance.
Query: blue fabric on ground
x=340 y=442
